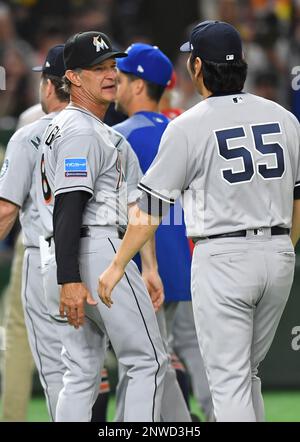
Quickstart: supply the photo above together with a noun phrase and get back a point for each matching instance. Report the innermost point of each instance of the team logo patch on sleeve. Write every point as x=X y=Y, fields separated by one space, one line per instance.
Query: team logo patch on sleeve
x=75 y=167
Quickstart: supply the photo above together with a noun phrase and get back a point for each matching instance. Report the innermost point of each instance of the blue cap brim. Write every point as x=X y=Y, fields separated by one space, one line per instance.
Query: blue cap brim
x=37 y=69
x=186 y=47
x=120 y=62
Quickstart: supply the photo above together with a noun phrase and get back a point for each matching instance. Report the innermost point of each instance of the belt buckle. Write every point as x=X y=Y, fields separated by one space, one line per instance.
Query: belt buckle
x=121 y=234
x=85 y=232
x=259 y=231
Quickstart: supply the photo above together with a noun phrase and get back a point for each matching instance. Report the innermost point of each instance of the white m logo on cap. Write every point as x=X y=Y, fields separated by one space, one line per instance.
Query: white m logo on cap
x=100 y=45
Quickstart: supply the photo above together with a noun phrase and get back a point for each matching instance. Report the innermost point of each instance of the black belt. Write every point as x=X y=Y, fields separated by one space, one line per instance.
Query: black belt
x=85 y=233
x=274 y=231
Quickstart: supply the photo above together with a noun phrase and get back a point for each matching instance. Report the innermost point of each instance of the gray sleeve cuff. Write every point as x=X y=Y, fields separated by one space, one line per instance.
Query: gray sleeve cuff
x=153 y=205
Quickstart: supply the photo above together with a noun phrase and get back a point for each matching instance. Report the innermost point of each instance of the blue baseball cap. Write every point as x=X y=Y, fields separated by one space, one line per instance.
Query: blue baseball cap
x=54 y=63
x=147 y=62
x=215 y=41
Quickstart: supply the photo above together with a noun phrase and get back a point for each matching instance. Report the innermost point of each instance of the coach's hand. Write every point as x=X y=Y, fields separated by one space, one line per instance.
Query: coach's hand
x=73 y=295
x=107 y=282
x=155 y=288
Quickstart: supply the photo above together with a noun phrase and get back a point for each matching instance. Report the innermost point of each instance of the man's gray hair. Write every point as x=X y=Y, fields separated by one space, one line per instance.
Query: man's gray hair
x=66 y=83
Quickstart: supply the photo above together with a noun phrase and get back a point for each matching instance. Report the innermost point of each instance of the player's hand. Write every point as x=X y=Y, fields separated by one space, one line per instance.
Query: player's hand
x=107 y=282
x=155 y=288
x=73 y=295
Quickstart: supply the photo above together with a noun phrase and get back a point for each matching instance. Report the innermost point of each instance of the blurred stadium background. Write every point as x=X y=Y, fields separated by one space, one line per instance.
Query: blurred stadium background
x=271 y=34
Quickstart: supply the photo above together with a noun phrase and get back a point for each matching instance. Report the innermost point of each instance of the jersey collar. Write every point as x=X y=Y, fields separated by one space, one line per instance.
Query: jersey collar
x=84 y=111
x=224 y=94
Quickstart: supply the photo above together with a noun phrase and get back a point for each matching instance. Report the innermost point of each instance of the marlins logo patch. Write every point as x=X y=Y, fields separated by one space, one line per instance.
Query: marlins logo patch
x=75 y=167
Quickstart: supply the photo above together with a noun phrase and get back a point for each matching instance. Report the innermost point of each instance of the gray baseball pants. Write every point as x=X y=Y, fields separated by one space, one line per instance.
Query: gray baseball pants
x=174 y=408
x=43 y=339
x=186 y=347
x=131 y=327
x=239 y=289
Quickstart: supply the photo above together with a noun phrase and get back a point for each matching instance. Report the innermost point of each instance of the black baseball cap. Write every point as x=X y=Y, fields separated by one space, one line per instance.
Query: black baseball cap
x=216 y=41
x=54 y=63
x=87 y=49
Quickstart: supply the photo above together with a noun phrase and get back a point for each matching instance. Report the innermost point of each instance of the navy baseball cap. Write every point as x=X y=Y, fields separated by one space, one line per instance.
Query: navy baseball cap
x=147 y=62
x=87 y=49
x=54 y=63
x=215 y=41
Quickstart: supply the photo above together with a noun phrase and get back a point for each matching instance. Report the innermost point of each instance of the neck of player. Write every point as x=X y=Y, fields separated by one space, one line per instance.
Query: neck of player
x=142 y=104
x=57 y=107
x=96 y=108
x=202 y=89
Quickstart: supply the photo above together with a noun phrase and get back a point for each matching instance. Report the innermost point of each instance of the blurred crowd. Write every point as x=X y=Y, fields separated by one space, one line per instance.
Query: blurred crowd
x=270 y=29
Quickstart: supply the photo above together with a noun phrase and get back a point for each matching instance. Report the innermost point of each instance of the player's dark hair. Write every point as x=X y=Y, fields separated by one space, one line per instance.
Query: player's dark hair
x=154 y=91
x=57 y=82
x=222 y=77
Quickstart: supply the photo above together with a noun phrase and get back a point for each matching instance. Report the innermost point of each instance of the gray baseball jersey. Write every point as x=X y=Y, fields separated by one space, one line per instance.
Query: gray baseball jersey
x=81 y=153
x=76 y=166
x=30 y=115
x=236 y=157
x=17 y=185
x=19 y=167
x=225 y=150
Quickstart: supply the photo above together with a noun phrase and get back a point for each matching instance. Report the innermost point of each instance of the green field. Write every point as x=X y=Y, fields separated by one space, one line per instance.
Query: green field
x=280 y=407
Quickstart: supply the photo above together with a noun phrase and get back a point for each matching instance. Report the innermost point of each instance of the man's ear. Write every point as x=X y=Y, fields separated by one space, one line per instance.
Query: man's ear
x=73 y=77
x=49 y=88
x=138 y=86
x=198 y=67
